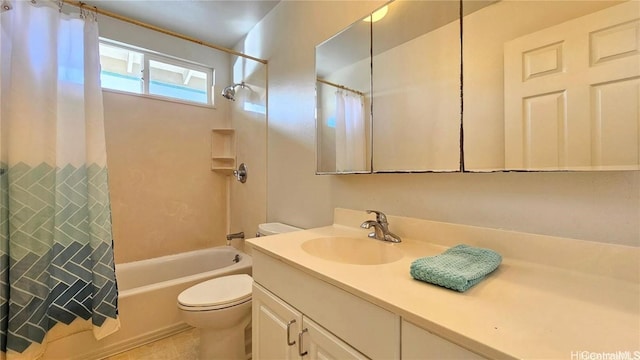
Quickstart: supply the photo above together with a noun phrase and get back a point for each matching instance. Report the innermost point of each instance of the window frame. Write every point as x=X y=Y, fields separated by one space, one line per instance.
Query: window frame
x=147 y=56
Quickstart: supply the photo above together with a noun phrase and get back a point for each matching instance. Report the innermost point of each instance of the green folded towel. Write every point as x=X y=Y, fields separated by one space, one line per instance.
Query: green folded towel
x=458 y=268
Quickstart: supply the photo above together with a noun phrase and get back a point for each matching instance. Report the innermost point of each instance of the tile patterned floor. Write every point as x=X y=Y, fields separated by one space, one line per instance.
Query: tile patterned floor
x=182 y=346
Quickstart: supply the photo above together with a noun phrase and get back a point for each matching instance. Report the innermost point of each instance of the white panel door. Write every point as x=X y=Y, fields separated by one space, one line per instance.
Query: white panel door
x=275 y=327
x=572 y=94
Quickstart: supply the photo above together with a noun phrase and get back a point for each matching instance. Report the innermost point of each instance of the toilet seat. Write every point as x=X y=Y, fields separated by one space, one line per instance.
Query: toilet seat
x=216 y=294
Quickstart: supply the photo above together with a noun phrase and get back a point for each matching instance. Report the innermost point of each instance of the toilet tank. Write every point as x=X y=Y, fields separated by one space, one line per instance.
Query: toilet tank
x=275 y=228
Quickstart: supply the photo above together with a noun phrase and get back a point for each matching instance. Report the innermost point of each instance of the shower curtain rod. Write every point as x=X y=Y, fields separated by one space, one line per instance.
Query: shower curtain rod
x=82 y=5
x=339 y=86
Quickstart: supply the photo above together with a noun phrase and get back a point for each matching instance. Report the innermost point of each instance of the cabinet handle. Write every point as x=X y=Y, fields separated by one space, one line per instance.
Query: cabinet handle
x=289 y=342
x=300 y=342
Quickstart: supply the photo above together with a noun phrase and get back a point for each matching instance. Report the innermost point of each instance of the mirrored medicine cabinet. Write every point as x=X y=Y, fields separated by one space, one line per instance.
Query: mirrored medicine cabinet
x=546 y=86
x=343 y=98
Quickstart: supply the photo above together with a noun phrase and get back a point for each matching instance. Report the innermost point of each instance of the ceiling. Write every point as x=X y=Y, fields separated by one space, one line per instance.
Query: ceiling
x=219 y=22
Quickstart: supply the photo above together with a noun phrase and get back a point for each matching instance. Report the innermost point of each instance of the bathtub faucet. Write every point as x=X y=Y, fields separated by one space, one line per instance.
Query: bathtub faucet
x=238 y=235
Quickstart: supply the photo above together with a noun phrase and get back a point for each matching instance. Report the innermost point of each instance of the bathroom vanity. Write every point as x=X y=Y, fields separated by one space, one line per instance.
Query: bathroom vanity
x=550 y=298
x=285 y=312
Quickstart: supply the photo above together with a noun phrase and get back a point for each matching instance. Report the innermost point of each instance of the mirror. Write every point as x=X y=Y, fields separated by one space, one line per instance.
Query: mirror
x=343 y=102
x=416 y=87
x=546 y=86
x=551 y=85
x=412 y=121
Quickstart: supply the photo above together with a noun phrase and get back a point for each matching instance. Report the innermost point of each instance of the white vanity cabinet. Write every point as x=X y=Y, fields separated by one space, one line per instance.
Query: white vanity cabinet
x=281 y=332
x=355 y=326
x=418 y=343
x=290 y=306
x=379 y=310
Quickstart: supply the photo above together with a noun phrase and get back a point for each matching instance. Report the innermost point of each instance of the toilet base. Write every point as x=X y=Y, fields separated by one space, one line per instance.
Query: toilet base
x=225 y=344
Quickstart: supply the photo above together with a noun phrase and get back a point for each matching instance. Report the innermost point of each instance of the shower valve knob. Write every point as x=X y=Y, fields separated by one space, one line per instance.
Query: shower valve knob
x=241 y=173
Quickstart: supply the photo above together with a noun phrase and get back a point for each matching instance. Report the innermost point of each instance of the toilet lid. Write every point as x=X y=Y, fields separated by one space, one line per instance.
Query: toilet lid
x=218 y=292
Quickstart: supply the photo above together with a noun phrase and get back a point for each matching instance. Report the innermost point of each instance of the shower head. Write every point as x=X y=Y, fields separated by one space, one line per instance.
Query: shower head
x=229 y=92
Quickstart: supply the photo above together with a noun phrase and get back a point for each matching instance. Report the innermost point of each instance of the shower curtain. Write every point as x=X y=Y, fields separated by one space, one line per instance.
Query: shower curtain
x=351 y=137
x=56 y=249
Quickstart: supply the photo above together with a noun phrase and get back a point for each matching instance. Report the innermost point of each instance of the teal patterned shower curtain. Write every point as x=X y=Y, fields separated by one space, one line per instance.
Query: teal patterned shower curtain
x=56 y=248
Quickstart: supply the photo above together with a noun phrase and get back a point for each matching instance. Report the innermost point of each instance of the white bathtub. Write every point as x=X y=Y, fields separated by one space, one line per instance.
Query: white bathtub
x=148 y=291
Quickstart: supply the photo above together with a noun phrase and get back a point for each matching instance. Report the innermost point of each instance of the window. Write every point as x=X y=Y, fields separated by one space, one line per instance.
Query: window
x=125 y=69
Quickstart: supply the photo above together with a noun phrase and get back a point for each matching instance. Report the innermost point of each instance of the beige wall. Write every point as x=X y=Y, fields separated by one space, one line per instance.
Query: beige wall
x=164 y=197
x=592 y=206
x=248 y=201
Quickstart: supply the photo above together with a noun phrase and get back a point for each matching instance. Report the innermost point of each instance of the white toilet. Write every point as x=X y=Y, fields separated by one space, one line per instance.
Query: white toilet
x=221 y=308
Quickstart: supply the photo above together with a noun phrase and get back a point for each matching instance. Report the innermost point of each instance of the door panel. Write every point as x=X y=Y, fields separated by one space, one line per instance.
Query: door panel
x=323 y=345
x=270 y=317
x=572 y=94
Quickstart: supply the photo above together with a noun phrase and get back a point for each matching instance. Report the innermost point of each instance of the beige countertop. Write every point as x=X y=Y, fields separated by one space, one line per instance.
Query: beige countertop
x=522 y=310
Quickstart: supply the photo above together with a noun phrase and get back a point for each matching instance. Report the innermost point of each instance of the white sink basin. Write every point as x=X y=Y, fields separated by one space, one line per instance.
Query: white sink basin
x=359 y=251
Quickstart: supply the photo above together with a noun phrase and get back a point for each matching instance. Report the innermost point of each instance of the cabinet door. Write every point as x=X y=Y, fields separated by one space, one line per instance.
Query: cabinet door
x=276 y=326
x=420 y=344
x=320 y=344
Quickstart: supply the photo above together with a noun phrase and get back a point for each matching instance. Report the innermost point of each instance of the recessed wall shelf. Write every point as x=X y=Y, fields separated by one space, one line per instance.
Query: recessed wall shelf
x=223 y=150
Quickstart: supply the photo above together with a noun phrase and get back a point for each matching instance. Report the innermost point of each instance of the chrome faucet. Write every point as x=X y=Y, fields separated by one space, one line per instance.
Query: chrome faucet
x=238 y=235
x=380 y=228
